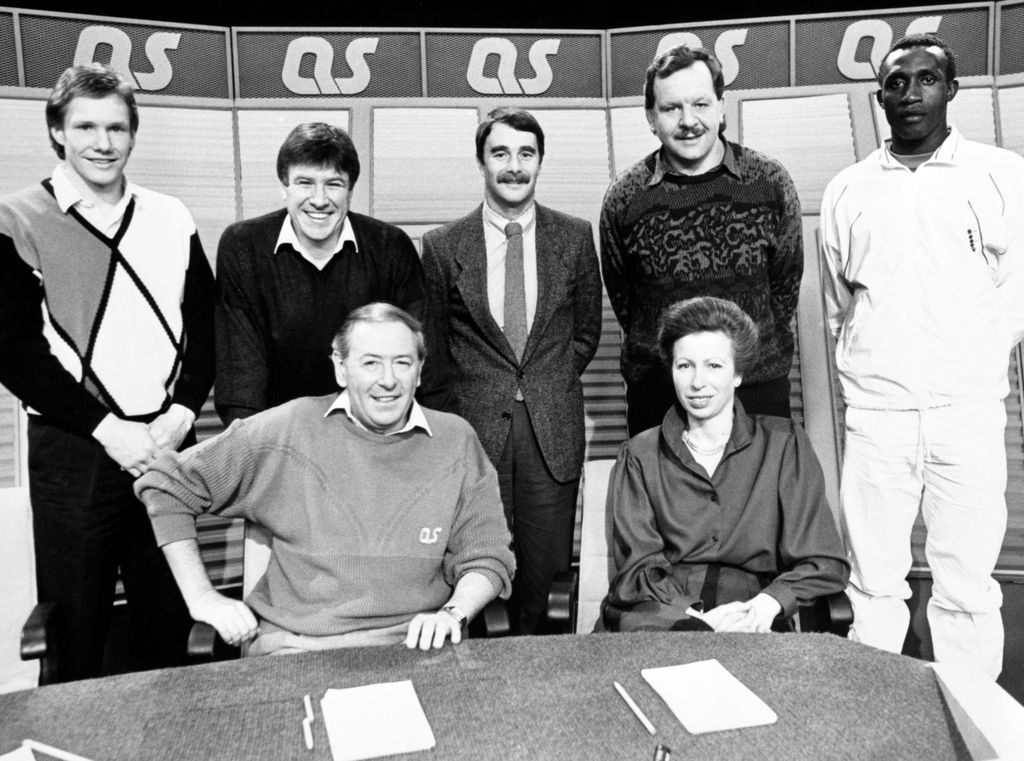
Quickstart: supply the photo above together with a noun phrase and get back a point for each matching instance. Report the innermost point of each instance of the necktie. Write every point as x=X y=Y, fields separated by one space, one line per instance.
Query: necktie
x=515 y=290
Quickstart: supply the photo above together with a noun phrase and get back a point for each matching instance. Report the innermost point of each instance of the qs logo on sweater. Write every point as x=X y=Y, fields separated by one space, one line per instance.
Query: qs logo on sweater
x=323 y=81
x=881 y=35
x=505 y=81
x=157 y=45
x=429 y=535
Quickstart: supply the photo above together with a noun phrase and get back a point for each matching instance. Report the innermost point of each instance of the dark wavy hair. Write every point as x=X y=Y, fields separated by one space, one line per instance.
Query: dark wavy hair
x=94 y=80
x=707 y=314
x=318 y=144
x=517 y=118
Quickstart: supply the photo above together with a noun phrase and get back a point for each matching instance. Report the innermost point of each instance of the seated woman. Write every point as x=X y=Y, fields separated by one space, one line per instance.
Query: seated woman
x=717 y=511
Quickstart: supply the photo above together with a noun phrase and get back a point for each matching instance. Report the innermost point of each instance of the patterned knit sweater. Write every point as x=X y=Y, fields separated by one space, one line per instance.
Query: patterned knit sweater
x=369 y=530
x=90 y=324
x=733 y=232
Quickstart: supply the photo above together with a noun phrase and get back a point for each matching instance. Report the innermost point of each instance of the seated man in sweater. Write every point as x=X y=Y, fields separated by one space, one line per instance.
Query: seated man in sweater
x=386 y=518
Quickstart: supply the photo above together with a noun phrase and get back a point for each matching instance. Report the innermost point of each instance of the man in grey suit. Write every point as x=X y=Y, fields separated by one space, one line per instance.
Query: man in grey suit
x=514 y=294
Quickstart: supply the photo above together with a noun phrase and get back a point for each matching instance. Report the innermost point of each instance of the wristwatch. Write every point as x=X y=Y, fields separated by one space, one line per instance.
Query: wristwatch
x=458 y=615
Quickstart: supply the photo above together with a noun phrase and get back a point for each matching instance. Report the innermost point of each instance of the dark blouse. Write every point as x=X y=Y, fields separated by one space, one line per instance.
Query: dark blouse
x=760 y=523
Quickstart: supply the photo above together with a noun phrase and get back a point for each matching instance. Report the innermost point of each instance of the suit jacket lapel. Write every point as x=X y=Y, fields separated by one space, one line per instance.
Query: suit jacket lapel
x=471 y=256
x=550 y=277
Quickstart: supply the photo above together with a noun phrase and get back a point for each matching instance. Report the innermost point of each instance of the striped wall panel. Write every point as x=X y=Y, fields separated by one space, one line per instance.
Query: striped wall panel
x=10 y=440
x=25 y=153
x=826 y=139
x=424 y=164
x=1011 y=117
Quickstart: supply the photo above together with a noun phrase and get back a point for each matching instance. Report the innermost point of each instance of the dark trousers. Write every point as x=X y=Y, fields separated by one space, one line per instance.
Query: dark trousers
x=541 y=513
x=88 y=524
x=648 y=399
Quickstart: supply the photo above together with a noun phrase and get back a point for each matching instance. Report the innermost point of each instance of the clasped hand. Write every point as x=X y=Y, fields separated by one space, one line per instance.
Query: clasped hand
x=135 y=446
x=754 y=615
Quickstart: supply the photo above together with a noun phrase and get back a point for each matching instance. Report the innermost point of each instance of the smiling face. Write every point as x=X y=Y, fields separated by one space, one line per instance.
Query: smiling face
x=686 y=118
x=97 y=140
x=381 y=372
x=511 y=164
x=915 y=95
x=317 y=199
x=704 y=375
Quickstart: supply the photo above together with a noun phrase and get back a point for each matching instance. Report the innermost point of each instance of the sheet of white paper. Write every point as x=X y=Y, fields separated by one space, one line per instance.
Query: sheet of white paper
x=705 y=697
x=375 y=720
x=21 y=753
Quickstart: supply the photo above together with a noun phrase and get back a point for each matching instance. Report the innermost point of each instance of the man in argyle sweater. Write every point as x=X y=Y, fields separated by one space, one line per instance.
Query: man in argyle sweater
x=106 y=336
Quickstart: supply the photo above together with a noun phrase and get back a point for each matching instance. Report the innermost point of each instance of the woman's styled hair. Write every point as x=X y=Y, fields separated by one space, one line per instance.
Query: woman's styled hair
x=707 y=314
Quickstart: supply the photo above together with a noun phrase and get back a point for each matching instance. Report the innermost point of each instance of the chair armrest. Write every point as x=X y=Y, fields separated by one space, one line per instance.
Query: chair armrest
x=39 y=641
x=492 y=621
x=830 y=613
x=562 y=602
x=205 y=645
x=37 y=633
x=840 y=611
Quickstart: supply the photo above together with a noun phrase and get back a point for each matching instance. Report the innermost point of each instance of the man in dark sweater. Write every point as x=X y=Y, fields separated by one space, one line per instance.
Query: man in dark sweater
x=701 y=216
x=386 y=518
x=289 y=278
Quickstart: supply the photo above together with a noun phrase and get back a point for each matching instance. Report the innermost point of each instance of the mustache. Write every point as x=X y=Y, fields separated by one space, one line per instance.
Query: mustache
x=684 y=133
x=513 y=176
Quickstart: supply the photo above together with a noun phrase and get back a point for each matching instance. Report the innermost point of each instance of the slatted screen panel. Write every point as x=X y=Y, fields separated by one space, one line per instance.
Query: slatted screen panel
x=631 y=137
x=424 y=164
x=1011 y=112
x=10 y=440
x=826 y=139
x=260 y=134
x=188 y=153
x=25 y=153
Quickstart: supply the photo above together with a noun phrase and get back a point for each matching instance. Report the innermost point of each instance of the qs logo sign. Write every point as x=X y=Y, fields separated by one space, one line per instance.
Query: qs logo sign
x=725 y=47
x=323 y=81
x=157 y=45
x=506 y=82
x=880 y=34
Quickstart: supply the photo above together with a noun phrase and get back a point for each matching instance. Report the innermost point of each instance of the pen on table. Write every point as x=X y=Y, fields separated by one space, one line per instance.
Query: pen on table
x=307 y=722
x=309 y=708
x=635 y=708
x=307 y=733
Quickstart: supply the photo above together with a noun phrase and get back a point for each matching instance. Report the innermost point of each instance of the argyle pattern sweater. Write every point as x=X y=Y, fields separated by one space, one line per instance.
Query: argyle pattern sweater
x=90 y=324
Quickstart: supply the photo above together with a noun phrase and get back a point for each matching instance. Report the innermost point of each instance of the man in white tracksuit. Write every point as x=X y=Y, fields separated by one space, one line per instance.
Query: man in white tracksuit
x=922 y=243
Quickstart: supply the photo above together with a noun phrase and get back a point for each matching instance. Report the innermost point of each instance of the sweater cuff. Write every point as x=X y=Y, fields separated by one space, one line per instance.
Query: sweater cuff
x=169 y=527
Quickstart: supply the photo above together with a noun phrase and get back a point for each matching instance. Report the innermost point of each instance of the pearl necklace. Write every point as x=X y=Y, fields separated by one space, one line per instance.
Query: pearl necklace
x=704 y=452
